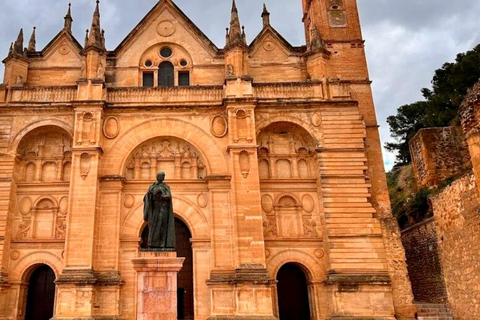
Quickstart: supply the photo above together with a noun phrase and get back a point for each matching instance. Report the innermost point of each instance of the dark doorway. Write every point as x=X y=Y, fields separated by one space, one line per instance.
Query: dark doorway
x=185 y=309
x=166 y=75
x=292 y=293
x=41 y=294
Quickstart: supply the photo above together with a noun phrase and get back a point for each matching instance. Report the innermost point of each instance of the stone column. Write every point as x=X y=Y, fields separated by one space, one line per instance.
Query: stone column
x=157 y=284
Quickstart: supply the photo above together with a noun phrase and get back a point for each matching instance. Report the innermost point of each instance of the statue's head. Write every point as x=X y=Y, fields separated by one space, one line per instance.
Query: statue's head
x=160 y=176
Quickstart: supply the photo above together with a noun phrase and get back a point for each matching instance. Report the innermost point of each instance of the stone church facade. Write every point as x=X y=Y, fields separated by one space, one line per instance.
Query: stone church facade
x=272 y=153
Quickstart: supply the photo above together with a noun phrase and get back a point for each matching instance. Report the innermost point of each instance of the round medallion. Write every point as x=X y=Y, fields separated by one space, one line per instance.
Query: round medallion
x=202 y=200
x=64 y=49
x=63 y=205
x=316 y=119
x=219 y=126
x=267 y=203
x=308 y=203
x=267 y=253
x=63 y=254
x=319 y=253
x=166 y=28
x=14 y=255
x=111 y=128
x=25 y=206
x=129 y=201
x=269 y=46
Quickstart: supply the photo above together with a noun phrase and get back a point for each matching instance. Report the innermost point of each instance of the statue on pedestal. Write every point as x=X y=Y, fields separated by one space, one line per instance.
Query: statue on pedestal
x=158 y=212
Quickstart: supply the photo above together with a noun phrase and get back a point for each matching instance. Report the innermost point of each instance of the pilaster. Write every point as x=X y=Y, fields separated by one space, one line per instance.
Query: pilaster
x=76 y=284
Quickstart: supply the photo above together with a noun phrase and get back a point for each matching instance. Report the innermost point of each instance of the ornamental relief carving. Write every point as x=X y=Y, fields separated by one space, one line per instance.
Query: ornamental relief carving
x=87 y=129
x=44 y=156
x=287 y=218
x=177 y=158
x=45 y=220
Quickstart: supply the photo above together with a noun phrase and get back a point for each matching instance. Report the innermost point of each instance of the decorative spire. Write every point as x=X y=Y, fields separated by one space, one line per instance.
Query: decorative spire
x=86 y=39
x=32 y=43
x=316 y=41
x=235 y=35
x=68 y=19
x=95 y=35
x=10 y=51
x=18 y=46
x=265 y=16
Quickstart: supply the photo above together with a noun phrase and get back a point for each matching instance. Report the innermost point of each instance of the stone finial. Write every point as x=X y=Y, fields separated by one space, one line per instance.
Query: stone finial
x=235 y=33
x=18 y=45
x=95 y=35
x=68 y=19
x=86 y=39
x=32 y=43
x=10 y=51
x=265 y=16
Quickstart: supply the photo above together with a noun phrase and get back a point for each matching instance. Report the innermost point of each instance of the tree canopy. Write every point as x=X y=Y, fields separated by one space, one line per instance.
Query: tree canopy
x=450 y=85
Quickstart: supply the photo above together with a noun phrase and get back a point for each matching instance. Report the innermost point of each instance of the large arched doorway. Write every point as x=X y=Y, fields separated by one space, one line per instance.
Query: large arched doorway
x=292 y=293
x=185 y=309
x=41 y=294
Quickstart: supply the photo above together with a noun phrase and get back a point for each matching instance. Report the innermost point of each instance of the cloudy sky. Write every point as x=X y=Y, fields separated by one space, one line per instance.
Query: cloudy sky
x=406 y=40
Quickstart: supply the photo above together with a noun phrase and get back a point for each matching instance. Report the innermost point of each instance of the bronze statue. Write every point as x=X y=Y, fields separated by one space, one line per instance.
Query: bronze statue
x=158 y=212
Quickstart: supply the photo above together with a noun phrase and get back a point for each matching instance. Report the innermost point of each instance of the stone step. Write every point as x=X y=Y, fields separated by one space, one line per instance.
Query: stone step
x=433 y=311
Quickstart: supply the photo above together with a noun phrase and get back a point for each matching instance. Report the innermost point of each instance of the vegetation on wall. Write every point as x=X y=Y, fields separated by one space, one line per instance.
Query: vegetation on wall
x=450 y=85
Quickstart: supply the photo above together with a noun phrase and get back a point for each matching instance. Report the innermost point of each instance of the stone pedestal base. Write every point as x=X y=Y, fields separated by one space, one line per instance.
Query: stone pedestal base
x=157 y=285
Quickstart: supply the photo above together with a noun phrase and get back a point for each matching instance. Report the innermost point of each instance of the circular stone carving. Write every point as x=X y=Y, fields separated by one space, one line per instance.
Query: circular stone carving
x=269 y=46
x=267 y=253
x=63 y=254
x=64 y=50
x=219 y=126
x=63 y=205
x=308 y=203
x=202 y=200
x=111 y=128
x=14 y=255
x=319 y=253
x=316 y=119
x=25 y=206
x=267 y=203
x=166 y=28
x=129 y=201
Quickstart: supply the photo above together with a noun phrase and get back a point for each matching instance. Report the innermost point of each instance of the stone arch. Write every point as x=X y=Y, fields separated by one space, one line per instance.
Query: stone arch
x=283 y=196
x=307 y=262
x=311 y=129
x=42 y=123
x=42 y=198
x=23 y=268
x=214 y=157
x=183 y=209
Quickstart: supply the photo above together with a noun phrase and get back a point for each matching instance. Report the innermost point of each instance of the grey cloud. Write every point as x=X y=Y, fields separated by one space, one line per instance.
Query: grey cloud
x=406 y=39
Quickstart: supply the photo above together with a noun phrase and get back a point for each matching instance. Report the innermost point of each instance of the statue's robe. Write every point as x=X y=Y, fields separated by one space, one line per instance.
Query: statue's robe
x=158 y=212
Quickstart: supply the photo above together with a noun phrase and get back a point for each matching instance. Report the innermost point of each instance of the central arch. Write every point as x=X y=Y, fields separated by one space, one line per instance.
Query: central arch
x=215 y=158
x=292 y=291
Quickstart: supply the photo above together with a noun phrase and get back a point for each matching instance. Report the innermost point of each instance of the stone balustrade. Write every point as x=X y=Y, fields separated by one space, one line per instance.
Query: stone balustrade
x=44 y=94
x=330 y=90
x=161 y=95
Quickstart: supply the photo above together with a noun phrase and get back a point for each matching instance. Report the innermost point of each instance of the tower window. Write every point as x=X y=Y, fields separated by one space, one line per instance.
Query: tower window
x=184 y=78
x=166 y=75
x=148 y=79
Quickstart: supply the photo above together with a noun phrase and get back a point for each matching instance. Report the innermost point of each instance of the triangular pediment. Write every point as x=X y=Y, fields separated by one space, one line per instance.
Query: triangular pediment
x=63 y=50
x=166 y=23
x=269 y=40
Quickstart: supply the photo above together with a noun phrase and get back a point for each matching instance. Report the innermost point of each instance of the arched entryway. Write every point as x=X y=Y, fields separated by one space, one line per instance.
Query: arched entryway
x=41 y=294
x=185 y=276
x=292 y=292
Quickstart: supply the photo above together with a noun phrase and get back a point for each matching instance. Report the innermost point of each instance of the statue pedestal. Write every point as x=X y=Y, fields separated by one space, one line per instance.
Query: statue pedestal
x=157 y=284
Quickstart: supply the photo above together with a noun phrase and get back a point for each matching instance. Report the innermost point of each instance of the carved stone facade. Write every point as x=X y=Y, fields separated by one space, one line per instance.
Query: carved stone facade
x=271 y=158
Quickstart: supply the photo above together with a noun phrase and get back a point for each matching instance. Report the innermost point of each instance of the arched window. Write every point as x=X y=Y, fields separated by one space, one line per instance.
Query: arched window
x=166 y=75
